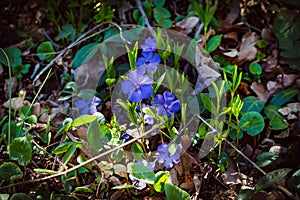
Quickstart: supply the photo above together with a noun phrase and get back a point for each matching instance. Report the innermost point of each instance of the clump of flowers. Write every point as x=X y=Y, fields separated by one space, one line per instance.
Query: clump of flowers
x=148 y=62
x=168 y=154
x=88 y=107
x=166 y=104
x=138 y=87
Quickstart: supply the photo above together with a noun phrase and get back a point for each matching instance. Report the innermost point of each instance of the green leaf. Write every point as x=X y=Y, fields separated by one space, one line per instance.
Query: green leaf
x=137 y=151
x=278 y=124
x=161 y=178
x=161 y=16
x=213 y=43
x=294 y=181
x=20 y=149
x=4 y=196
x=175 y=193
x=245 y=195
x=159 y=3
x=85 y=54
x=10 y=171
x=46 y=51
x=284 y=96
x=20 y=196
x=62 y=148
x=266 y=158
x=253 y=123
x=255 y=68
x=271 y=178
x=208 y=104
x=69 y=153
x=97 y=134
x=67 y=30
x=83 y=189
x=141 y=172
x=83 y=119
x=48 y=171
x=252 y=103
x=271 y=112
x=15 y=131
x=65 y=127
x=14 y=56
x=261 y=43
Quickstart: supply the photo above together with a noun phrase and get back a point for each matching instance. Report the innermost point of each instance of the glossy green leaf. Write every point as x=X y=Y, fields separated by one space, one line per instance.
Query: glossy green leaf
x=46 y=51
x=255 y=68
x=83 y=119
x=69 y=153
x=137 y=151
x=20 y=196
x=141 y=172
x=261 y=43
x=271 y=178
x=175 y=193
x=97 y=134
x=271 y=112
x=278 y=124
x=62 y=148
x=161 y=178
x=252 y=103
x=20 y=149
x=253 y=123
x=213 y=43
x=10 y=171
x=161 y=16
x=159 y=3
x=4 y=196
x=245 y=195
x=85 y=54
x=208 y=103
x=83 y=189
x=294 y=181
x=284 y=96
x=65 y=127
x=14 y=56
x=266 y=158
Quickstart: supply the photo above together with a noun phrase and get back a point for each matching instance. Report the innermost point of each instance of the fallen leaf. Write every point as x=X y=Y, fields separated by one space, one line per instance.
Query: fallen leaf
x=278 y=149
x=232 y=53
x=120 y=170
x=114 y=180
x=187 y=186
x=260 y=91
x=186 y=25
x=173 y=177
x=273 y=86
x=289 y=79
x=290 y=109
x=247 y=50
x=16 y=103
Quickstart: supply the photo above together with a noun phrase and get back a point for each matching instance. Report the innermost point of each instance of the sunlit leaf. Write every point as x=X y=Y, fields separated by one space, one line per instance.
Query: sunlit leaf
x=141 y=172
x=175 y=193
x=253 y=123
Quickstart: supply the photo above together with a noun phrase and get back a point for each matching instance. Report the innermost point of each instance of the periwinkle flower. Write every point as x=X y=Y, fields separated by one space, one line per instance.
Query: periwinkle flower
x=149 y=45
x=148 y=62
x=166 y=104
x=125 y=137
x=141 y=185
x=88 y=107
x=168 y=154
x=138 y=86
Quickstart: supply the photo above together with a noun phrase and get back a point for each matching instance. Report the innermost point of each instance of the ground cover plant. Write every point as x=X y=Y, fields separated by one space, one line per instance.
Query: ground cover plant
x=149 y=100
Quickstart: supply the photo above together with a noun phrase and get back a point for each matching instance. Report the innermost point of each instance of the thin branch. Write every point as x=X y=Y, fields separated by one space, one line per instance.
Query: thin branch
x=141 y=9
x=83 y=163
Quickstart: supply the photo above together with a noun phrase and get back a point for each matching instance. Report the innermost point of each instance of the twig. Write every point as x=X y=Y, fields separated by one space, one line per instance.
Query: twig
x=199 y=29
x=81 y=39
x=141 y=9
x=85 y=162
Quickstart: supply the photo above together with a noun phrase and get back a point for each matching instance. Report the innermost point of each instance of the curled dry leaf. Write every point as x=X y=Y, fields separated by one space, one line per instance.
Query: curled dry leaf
x=247 y=51
x=173 y=177
x=186 y=25
x=278 y=149
x=260 y=91
x=290 y=110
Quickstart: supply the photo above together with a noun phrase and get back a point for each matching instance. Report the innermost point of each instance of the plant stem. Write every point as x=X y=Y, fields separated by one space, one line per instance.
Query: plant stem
x=9 y=95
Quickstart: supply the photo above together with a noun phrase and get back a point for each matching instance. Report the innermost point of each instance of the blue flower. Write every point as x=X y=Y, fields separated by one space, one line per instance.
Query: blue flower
x=166 y=104
x=138 y=87
x=148 y=62
x=141 y=184
x=126 y=137
x=147 y=118
x=168 y=154
x=149 y=45
x=88 y=107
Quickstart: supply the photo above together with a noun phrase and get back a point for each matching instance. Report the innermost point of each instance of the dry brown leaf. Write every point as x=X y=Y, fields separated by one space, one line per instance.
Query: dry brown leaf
x=260 y=91
x=16 y=103
x=289 y=110
x=234 y=12
x=114 y=180
x=120 y=170
x=14 y=86
x=231 y=36
x=289 y=79
x=187 y=186
x=173 y=177
x=186 y=25
x=278 y=149
x=273 y=86
x=247 y=51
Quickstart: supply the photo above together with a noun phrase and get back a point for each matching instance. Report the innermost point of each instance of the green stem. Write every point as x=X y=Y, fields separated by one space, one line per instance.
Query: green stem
x=9 y=94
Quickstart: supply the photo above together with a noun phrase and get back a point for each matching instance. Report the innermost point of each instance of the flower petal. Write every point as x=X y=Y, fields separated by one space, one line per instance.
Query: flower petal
x=96 y=101
x=158 y=99
x=146 y=91
x=134 y=76
x=151 y=68
x=169 y=97
x=146 y=80
x=127 y=86
x=135 y=96
x=140 y=61
x=155 y=59
x=175 y=106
